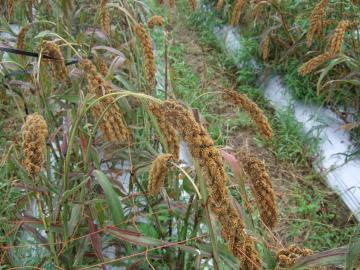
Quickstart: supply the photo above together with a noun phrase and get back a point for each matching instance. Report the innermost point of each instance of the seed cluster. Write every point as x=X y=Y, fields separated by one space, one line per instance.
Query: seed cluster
x=20 y=41
x=334 y=48
x=112 y=124
x=219 y=5
x=314 y=63
x=202 y=149
x=172 y=4
x=256 y=114
x=104 y=17
x=262 y=188
x=315 y=21
x=236 y=13
x=149 y=59
x=102 y=65
x=34 y=134
x=287 y=257
x=337 y=38
x=158 y=172
x=265 y=47
x=155 y=21
x=10 y=8
x=58 y=68
x=167 y=131
x=192 y=4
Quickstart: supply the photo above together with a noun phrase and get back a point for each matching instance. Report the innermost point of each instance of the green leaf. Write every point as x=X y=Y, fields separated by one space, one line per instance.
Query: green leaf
x=111 y=198
x=330 y=257
x=353 y=253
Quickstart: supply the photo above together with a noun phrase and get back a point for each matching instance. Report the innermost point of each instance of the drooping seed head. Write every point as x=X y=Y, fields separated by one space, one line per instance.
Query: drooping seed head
x=202 y=149
x=148 y=54
x=58 y=68
x=261 y=187
x=337 y=38
x=158 y=172
x=20 y=41
x=192 y=4
x=34 y=134
x=112 y=123
x=236 y=12
x=155 y=21
x=256 y=114
x=288 y=256
x=315 y=21
x=9 y=8
x=219 y=5
x=167 y=131
x=104 y=17
x=314 y=63
x=265 y=47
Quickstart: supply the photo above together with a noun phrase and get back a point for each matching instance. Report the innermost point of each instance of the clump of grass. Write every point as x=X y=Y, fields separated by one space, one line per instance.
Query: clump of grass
x=34 y=134
x=292 y=143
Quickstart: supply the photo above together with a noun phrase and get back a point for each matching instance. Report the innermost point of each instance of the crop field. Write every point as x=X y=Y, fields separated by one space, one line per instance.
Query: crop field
x=142 y=134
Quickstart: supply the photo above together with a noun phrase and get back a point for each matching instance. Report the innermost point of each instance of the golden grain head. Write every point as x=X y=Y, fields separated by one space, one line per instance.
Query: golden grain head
x=172 y=4
x=314 y=63
x=148 y=54
x=20 y=41
x=219 y=5
x=158 y=172
x=104 y=17
x=202 y=149
x=256 y=114
x=168 y=133
x=258 y=7
x=236 y=12
x=58 y=68
x=265 y=47
x=112 y=124
x=155 y=21
x=337 y=38
x=192 y=4
x=34 y=134
x=10 y=8
x=315 y=21
x=262 y=188
x=287 y=257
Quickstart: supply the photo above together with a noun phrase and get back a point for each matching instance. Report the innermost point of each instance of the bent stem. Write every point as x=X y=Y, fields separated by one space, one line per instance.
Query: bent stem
x=204 y=195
